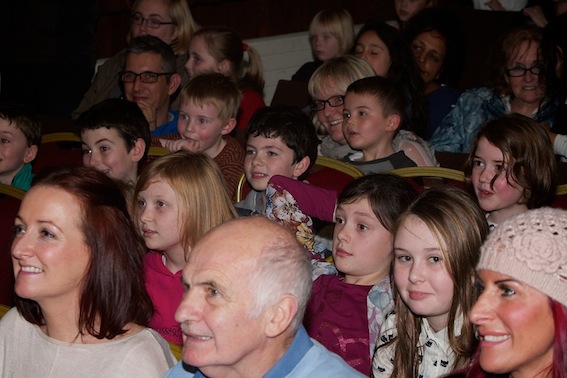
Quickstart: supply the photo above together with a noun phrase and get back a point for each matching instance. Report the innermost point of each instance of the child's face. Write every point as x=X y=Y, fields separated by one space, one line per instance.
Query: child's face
x=203 y=127
x=106 y=151
x=200 y=59
x=420 y=273
x=266 y=157
x=324 y=45
x=373 y=50
x=362 y=246
x=158 y=212
x=365 y=127
x=14 y=151
x=503 y=196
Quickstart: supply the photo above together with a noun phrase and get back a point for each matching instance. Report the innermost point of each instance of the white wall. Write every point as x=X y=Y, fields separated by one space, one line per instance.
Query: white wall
x=282 y=55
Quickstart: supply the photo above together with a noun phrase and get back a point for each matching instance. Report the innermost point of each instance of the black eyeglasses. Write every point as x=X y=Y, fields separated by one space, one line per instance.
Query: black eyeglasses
x=521 y=71
x=146 y=77
x=318 y=105
x=153 y=23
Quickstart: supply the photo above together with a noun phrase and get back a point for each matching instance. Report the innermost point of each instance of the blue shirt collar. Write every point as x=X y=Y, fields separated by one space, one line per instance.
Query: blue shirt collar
x=299 y=347
x=297 y=350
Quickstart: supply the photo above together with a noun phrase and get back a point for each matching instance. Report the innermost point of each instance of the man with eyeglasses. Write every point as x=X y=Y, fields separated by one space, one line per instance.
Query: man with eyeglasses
x=149 y=79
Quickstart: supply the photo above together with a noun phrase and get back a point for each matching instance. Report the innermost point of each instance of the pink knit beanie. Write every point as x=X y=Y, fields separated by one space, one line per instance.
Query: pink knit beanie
x=532 y=248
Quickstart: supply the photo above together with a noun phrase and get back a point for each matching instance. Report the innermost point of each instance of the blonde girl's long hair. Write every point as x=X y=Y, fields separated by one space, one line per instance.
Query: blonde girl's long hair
x=460 y=227
x=200 y=190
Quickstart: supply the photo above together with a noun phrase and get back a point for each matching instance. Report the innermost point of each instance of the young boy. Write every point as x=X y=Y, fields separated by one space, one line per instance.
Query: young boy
x=116 y=139
x=281 y=147
x=20 y=135
x=373 y=111
x=207 y=114
x=280 y=141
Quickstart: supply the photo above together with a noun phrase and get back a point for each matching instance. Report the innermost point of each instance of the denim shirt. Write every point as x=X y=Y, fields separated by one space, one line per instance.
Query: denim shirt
x=458 y=129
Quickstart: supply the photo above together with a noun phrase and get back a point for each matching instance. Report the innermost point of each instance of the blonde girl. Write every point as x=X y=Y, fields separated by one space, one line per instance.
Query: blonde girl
x=331 y=34
x=178 y=198
x=436 y=248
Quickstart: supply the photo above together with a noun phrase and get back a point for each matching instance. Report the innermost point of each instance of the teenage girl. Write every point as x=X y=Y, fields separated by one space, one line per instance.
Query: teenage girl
x=352 y=305
x=178 y=198
x=331 y=34
x=220 y=49
x=511 y=167
x=436 y=248
x=387 y=51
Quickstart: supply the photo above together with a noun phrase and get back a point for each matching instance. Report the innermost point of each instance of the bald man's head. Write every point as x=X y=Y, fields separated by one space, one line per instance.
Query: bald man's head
x=268 y=257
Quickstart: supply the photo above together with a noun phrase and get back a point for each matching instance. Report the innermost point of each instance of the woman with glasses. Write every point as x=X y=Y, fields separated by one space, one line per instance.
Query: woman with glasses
x=327 y=87
x=514 y=87
x=169 y=20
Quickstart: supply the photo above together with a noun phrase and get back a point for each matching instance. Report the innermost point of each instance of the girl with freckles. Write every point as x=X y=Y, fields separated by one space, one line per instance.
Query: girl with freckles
x=511 y=167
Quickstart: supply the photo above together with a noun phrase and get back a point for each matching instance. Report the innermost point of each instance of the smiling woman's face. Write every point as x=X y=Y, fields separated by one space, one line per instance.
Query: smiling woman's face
x=515 y=326
x=331 y=117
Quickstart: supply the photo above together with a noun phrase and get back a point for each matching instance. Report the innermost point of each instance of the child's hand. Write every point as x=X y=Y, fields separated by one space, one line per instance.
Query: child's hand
x=181 y=144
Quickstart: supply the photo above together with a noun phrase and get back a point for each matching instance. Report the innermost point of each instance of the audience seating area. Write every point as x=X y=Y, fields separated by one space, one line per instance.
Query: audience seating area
x=10 y=199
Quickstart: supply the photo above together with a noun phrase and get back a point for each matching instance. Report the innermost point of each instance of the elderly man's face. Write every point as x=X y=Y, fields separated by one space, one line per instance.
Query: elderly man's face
x=218 y=332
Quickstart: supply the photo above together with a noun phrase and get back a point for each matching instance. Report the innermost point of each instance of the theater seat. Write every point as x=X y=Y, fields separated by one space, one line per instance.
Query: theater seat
x=10 y=199
x=62 y=149
x=326 y=173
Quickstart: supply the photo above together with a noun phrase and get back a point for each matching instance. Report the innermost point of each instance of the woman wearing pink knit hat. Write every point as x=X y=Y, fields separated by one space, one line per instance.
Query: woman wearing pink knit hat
x=521 y=314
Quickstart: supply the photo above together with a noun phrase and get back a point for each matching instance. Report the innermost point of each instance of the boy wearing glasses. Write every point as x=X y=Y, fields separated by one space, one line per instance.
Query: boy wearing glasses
x=149 y=79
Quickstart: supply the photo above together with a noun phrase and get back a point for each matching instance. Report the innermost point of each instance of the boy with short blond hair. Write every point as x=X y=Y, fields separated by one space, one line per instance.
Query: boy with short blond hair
x=20 y=135
x=374 y=110
x=115 y=138
x=207 y=114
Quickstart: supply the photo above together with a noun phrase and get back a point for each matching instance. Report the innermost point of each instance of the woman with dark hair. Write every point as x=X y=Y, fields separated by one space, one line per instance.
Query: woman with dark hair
x=81 y=302
x=385 y=48
x=437 y=43
x=521 y=314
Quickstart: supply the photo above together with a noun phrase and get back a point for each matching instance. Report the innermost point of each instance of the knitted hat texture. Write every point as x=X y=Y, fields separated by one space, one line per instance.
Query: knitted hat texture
x=532 y=248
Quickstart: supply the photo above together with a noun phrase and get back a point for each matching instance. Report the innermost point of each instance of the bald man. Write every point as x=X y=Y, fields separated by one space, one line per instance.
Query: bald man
x=247 y=283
